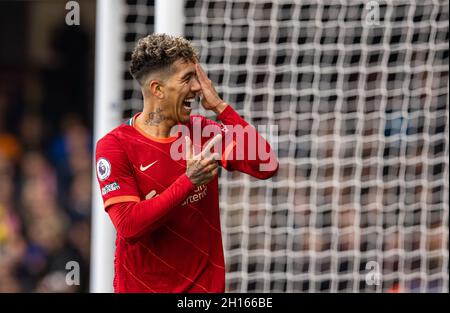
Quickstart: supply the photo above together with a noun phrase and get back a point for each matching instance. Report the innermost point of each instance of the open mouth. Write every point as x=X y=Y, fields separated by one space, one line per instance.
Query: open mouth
x=187 y=103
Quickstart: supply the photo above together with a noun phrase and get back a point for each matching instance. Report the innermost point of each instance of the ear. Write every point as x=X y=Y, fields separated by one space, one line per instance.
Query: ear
x=156 y=89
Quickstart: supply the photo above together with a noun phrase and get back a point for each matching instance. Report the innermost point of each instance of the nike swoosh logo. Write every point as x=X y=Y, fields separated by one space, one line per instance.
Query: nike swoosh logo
x=144 y=168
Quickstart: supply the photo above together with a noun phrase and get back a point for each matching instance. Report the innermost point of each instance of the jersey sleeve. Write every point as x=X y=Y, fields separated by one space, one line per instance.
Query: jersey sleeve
x=243 y=148
x=114 y=171
x=132 y=220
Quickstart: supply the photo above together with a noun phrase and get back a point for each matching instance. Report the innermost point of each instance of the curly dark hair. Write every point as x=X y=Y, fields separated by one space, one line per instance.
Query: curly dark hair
x=158 y=52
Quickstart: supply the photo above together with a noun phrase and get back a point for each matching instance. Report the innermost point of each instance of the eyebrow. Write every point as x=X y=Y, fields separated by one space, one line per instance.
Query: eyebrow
x=187 y=75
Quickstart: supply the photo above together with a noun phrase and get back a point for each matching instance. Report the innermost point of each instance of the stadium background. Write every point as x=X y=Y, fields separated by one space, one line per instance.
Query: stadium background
x=362 y=115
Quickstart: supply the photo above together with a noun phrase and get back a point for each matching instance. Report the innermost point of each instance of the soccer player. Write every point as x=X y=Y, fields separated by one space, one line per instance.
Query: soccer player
x=164 y=207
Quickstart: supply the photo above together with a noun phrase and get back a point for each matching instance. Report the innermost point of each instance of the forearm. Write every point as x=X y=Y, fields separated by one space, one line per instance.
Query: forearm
x=251 y=153
x=260 y=167
x=132 y=219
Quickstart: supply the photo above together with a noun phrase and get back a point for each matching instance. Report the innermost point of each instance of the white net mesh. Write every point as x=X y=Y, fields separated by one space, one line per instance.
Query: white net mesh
x=139 y=22
x=362 y=114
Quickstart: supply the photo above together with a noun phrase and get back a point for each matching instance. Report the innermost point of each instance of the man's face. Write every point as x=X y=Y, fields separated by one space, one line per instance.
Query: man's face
x=180 y=90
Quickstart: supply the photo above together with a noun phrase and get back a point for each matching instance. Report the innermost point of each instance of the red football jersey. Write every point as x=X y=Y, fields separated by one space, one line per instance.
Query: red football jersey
x=184 y=253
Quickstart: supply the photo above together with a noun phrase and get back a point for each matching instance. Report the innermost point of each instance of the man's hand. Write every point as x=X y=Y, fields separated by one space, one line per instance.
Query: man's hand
x=201 y=168
x=211 y=100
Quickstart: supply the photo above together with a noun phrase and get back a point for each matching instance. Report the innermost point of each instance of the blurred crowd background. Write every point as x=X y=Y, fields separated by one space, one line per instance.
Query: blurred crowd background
x=46 y=101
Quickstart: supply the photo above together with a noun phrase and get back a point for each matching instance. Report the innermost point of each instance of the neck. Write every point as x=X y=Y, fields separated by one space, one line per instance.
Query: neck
x=153 y=121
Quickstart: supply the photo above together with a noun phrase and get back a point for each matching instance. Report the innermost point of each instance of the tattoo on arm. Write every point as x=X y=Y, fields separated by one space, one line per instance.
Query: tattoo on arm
x=154 y=118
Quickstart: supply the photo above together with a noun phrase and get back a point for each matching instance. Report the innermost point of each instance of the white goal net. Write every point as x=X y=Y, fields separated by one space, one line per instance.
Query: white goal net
x=359 y=92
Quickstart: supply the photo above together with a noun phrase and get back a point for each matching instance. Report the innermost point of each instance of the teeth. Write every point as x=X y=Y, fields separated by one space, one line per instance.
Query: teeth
x=188 y=103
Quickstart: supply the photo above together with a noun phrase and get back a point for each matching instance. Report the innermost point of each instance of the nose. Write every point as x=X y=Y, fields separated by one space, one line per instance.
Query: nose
x=195 y=86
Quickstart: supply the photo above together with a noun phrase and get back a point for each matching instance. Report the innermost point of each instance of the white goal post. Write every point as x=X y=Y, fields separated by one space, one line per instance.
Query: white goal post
x=108 y=111
x=107 y=115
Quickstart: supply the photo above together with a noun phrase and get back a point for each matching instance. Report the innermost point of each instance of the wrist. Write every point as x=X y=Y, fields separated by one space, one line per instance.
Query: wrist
x=187 y=179
x=220 y=107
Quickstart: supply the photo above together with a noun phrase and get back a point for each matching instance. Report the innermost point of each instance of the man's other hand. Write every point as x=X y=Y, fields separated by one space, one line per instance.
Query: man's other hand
x=201 y=168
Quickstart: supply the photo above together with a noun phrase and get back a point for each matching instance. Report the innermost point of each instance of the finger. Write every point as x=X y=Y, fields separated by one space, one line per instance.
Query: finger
x=188 y=147
x=198 y=165
x=210 y=168
x=210 y=176
x=195 y=148
x=206 y=162
x=215 y=157
x=211 y=159
x=207 y=178
x=203 y=78
x=199 y=71
x=206 y=151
